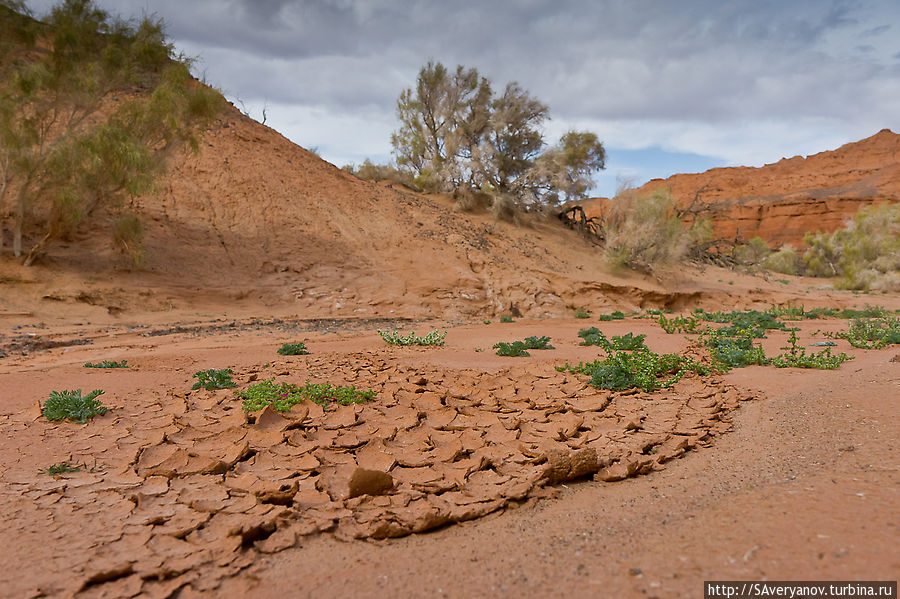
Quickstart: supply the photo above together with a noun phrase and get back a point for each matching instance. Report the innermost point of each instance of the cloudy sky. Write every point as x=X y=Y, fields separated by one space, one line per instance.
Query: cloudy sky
x=669 y=86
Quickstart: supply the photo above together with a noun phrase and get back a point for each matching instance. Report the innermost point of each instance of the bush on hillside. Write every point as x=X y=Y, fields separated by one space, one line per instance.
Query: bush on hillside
x=643 y=231
x=865 y=254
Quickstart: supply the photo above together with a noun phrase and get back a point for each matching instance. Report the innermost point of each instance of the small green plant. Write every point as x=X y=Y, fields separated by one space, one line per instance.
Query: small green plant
x=293 y=349
x=107 y=364
x=486 y=321
x=679 y=324
x=514 y=349
x=538 y=343
x=72 y=405
x=872 y=333
x=61 y=468
x=642 y=369
x=580 y=313
x=395 y=338
x=506 y=319
x=733 y=351
x=213 y=379
x=617 y=315
x=594 y=336
x=518 y=349
x=796 y=357
x=282 y=396
x=628 y=341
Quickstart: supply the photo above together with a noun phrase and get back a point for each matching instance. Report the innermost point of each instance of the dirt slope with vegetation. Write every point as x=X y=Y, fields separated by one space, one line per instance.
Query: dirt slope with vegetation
x=781 y=202
x=253 y=219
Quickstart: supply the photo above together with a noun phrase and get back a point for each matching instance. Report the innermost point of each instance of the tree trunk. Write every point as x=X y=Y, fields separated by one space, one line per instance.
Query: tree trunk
x=17 y=225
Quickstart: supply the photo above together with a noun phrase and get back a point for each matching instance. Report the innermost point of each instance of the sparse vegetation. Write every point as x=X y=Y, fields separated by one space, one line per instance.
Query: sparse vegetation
x=519 y=348
x=627 y=342
x=433 y=338
x=506 y=319
x=678 y=324
x=642 y=369
x=865 y=254
x=72 y=405
x=107 y=364
x=213 y=379
x=796 y=357
x=581 y=313
x=617 y=315
x=644 y=232
x=74 y=136
x=293 y=349
x=282 y=396
x=61 y=468
x=872 y=333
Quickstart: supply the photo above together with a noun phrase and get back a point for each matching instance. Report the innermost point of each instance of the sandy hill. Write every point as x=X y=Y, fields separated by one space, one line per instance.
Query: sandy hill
x=255 y=219
x=780 y=202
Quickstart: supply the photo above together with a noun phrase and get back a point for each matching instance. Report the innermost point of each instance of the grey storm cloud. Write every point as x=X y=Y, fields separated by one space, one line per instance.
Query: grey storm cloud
x=754 y=67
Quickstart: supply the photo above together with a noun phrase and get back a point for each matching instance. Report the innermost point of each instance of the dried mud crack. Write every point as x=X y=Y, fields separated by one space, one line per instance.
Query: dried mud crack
x=190 y=488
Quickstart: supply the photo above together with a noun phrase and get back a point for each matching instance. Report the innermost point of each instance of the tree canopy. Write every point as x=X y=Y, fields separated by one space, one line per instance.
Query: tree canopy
x=91 y=108
x=458 y=136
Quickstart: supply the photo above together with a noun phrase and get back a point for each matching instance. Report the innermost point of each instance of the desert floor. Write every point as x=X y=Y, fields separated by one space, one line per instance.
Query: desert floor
x=760 y=473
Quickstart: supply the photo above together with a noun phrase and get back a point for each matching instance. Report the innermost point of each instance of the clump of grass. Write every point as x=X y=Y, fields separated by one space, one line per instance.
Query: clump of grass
x=293 y=349
x=518 y=349
x=872 y=333
x=213 y=379
x=617 y=315
x=72 y=405
x=282 y=396
x=107 y=364
x=642 y=369
x=796 y=357
x=581 y=313
x=628 y=341
x=395 y=338
x=506 y=319
x=61 y=468
x=678 y=324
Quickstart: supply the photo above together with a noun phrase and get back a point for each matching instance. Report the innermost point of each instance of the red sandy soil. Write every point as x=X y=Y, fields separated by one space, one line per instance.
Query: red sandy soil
x=470 y=474
x=780 y=202
x=780 y=474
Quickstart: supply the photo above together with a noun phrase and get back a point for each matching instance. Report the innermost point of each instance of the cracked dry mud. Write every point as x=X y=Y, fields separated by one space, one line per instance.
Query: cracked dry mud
x=188 y=488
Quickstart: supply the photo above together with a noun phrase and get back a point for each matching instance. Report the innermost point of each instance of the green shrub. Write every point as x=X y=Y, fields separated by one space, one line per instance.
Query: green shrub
x=213 y=379
x=786 y=261
x=796 y=357
x=518 y=349
x=282 y=396
x=643 y=232
x=395 y=338
x=679 y=324
x=594 y=336
x=107 y=364
x=751 y=253
x=506 y=319
x=617 y=315
x=514 y=349
x=873 y=333
x=72 y=405
x=293 y=349
x=642 y=369
x=733 y=351
x=580 y=313
x=865 y=254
